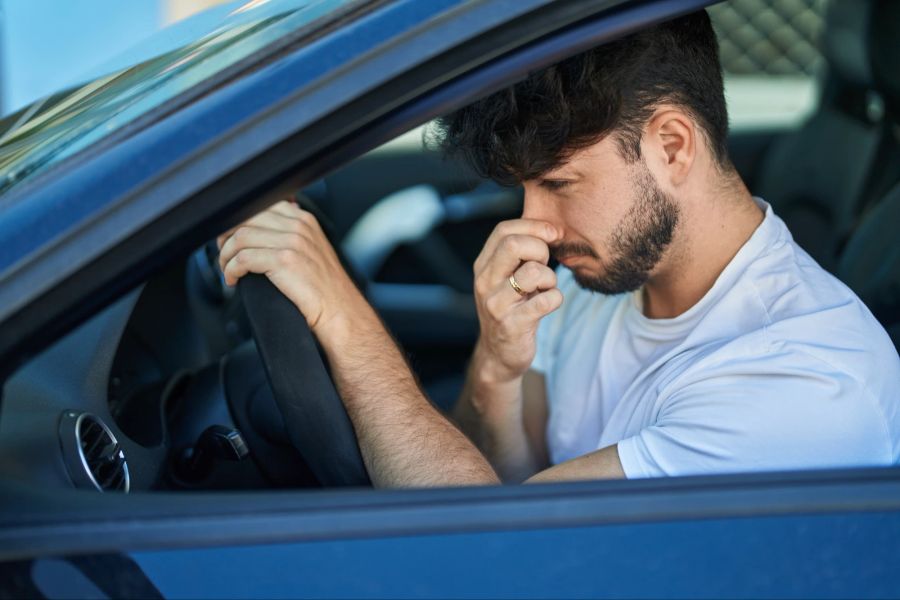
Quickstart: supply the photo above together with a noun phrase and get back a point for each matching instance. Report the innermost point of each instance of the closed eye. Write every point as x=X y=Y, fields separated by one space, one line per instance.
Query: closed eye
x=554 y=184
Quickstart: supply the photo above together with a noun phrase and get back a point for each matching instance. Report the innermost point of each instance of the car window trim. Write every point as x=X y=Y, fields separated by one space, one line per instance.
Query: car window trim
x=33 y=522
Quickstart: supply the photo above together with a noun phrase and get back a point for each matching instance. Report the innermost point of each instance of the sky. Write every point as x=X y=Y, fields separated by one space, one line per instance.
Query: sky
x=47 y=45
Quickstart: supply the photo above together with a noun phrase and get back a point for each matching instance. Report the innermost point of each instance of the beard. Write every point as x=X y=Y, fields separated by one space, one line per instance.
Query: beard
x=638 y=243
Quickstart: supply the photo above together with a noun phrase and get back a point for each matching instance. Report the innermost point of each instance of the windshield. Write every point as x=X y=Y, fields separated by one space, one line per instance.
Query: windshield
x=60 y=125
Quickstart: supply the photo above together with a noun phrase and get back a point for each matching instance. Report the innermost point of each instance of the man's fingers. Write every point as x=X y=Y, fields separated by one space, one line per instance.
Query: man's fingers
x=222 y=238
x=505 y=302
x=247 y=236
x=263 y=220
x=251 y=260
x=290 y=209
x=534 y=276
x=286 y=208
x=539 y=305
x=511 y=252
x=541 y=230
x=283 y=216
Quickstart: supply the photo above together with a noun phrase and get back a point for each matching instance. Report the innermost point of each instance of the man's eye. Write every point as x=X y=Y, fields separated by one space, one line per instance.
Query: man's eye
x=555 y=184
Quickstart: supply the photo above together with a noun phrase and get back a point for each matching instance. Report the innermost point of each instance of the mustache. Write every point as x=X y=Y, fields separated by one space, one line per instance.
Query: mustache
x=567 y=249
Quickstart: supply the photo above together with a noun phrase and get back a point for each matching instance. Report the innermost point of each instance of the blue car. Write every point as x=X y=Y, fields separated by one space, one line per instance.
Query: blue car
x=157 y=440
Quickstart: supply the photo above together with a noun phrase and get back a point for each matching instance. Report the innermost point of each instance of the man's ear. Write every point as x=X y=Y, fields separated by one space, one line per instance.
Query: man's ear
x=672 y=137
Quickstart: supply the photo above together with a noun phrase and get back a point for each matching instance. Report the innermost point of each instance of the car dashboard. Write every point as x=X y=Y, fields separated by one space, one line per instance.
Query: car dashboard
x=139 y=397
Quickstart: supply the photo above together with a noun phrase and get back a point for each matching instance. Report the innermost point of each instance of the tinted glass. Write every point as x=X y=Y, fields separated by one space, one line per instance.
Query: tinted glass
x=60 y=125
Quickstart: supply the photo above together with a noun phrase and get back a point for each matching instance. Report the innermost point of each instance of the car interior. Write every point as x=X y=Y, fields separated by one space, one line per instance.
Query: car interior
x=165 y=389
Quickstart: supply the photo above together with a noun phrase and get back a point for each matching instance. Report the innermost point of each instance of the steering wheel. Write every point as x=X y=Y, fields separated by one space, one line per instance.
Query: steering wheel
x=315 y=420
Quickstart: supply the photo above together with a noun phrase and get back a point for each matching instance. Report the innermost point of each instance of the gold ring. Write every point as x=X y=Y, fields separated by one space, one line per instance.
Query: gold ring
x=515 y=285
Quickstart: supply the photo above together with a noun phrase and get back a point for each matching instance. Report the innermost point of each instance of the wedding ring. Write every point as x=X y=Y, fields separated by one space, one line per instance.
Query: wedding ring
x=515 y=285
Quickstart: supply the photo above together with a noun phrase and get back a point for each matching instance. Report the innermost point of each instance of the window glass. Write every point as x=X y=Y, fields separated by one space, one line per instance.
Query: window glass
x=771 y=57
x=58 y=126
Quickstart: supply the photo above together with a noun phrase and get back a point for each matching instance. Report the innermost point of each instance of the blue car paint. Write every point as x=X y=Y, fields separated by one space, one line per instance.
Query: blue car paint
x=829 y=556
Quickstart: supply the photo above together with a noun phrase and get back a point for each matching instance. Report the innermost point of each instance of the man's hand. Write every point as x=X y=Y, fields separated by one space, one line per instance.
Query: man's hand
x=286 y=244
x=508 y=319
x=403 y=439
x=494 y=409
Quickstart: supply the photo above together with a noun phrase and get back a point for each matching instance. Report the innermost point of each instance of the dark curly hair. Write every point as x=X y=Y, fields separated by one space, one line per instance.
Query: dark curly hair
x=532 y=127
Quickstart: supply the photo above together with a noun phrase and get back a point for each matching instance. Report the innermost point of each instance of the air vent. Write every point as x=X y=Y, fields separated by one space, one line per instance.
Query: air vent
x=92 y=453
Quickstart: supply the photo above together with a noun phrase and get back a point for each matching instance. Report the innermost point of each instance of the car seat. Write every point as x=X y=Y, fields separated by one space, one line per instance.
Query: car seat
x=814 y=177
x=870 y=264
x=884 y=53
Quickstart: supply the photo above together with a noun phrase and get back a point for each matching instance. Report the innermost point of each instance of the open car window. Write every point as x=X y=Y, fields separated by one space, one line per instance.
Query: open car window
x=772 y=61
x=410 y=222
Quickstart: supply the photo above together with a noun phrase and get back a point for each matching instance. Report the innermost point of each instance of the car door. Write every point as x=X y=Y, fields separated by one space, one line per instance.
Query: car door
x=790 y=534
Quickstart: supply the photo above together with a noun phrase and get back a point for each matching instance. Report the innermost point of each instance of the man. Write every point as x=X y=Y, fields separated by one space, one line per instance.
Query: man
x=686 y=333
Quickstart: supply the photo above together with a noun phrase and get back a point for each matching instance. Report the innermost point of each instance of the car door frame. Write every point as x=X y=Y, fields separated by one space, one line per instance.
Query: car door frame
x=34 y=524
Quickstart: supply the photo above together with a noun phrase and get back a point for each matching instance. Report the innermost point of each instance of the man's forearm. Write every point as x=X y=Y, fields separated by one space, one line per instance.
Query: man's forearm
x=491 y=414
x=404 y=440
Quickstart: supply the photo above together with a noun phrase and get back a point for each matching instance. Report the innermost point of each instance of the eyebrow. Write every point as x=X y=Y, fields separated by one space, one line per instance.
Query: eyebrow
x=568 y=173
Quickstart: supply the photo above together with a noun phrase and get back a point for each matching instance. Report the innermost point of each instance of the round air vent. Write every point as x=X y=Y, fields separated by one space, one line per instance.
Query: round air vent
x=92 y=453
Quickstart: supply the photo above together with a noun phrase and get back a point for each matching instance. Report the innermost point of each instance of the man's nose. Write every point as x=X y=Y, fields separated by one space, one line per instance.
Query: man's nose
x=539 y=206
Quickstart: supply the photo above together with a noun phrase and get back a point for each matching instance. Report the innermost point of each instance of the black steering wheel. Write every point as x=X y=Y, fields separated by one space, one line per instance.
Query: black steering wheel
x=315 y=420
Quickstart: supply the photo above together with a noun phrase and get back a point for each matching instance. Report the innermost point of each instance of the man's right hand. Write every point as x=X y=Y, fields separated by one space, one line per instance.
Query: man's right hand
x=509 y=320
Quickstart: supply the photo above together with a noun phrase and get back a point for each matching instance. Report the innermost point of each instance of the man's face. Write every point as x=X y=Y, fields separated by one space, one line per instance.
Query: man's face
x=615 y=221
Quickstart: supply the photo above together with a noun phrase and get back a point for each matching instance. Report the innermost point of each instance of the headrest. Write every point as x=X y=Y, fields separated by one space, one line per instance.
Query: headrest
x=884 y=50
x=844 y=41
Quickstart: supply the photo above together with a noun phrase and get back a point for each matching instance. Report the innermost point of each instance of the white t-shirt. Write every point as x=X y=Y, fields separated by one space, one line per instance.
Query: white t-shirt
x=779 y=366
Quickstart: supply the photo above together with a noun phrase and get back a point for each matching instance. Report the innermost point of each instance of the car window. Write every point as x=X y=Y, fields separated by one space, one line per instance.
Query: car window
x=771 y=58
x=414 y=285
x=61 y=125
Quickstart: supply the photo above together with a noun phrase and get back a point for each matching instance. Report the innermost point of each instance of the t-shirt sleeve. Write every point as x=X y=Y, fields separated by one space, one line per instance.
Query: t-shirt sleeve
x=759 y=417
